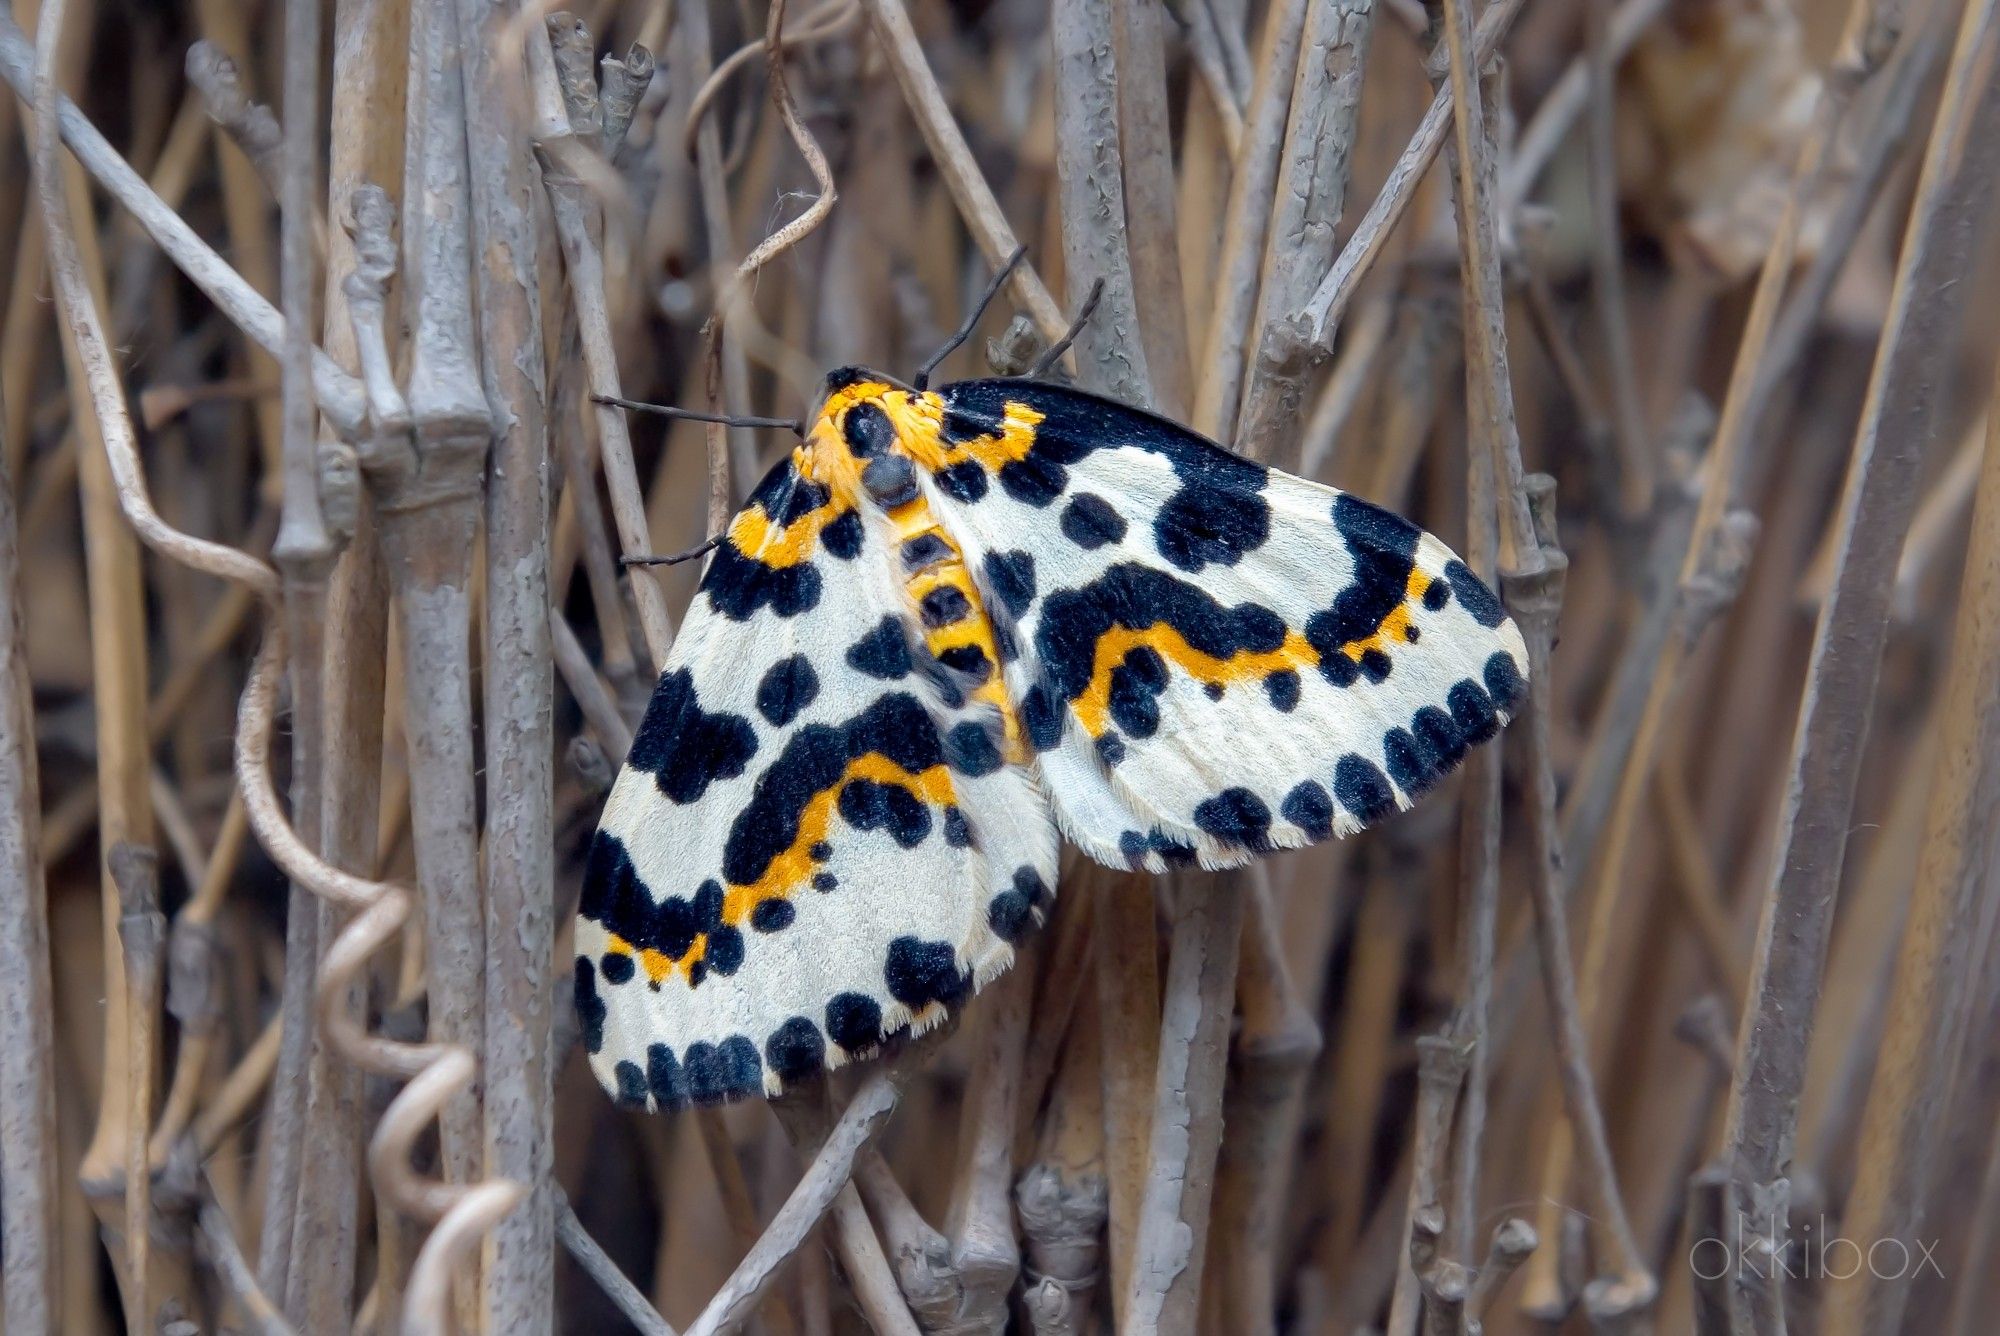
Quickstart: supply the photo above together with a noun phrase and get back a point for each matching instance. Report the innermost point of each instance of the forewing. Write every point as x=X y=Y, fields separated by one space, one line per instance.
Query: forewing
x=787 y=869
x=1214 y=659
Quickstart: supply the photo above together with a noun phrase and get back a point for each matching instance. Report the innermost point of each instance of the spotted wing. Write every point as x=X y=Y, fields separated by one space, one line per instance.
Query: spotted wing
x=788 y=869
x=1213 y=659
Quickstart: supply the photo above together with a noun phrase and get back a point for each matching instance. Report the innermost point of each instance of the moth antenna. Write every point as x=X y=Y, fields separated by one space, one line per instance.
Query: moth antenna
x=792 y=425
x=922 y=379
x=1061 y=345
x=677 y=557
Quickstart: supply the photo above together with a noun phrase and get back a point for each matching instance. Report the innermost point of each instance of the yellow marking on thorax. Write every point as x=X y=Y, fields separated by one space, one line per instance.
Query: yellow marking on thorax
x=919 y=420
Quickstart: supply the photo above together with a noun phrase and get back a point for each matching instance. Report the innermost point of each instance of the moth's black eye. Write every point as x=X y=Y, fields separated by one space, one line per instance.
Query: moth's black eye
x=868 y=430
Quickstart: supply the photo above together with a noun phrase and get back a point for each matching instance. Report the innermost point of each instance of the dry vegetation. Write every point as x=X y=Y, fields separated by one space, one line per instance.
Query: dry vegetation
x=318 y=654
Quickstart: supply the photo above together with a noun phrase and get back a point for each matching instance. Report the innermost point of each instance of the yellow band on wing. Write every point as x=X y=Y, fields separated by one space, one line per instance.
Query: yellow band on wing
x=1093 y=707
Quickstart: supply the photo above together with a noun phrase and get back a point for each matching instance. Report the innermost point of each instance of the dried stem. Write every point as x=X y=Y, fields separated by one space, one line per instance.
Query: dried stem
x=518 y=676
x=1927 y=1011
x=28 y=1209
x=1630 y=1286
x=968 y=185
x=1797 y=907
x=1322 y=314
x=1110 y=355
x=1195 y=1013
x=1320 y=136
x=1252 y=184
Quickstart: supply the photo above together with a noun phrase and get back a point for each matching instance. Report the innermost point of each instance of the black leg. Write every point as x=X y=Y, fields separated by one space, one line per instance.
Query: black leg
x=1061 y=346
x=922 y=379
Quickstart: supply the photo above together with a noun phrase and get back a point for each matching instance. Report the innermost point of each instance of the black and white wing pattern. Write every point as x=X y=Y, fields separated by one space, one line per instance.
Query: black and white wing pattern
x=1212 y=659
x=949 y=624
x=815 y=842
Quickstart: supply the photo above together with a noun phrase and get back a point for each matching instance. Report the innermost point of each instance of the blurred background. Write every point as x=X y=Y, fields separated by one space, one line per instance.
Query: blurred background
x=1673 y=1011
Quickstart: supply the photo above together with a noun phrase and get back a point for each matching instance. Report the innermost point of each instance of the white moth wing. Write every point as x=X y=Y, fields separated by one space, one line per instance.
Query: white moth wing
x=1215 y=659
x=787 y=869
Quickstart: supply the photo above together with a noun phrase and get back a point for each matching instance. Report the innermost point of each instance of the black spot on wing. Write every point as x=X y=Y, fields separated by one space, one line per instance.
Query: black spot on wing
x=724 y=952
x=631 y=1085
x=1217 y=515
x=665 y=1077
x=1283 y=689
x=964 y=482
x=1309 y=807
x=684 y=747
x=1473 y=593
x=1034 y=480
x=795 y=1050
x=1110 y=749
x=1504 y=682
x=957 y=831
x=708 y=906
x=842 y=538
x=1011 y=576
x=1436 y=594
x=854 y=1021
x=1235 y=816
x=608 y=877
x=1090 y=522
x=590 y=1008
x=897 y=727
x=1136 y=684
x=813 y=761
x=1362 y=788
x=967 y=418
x=1411 y=762
x=1440 y=736
x=616 y=966
x=868 y=805
x=1012 y=912
x=774 y=914
x=1472 y=710
x=1383 y=547
x=738 y=585
x=719 y=1072
x=788 y=686
x=1138 y=597
x=884 y=652
x=919 y=973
